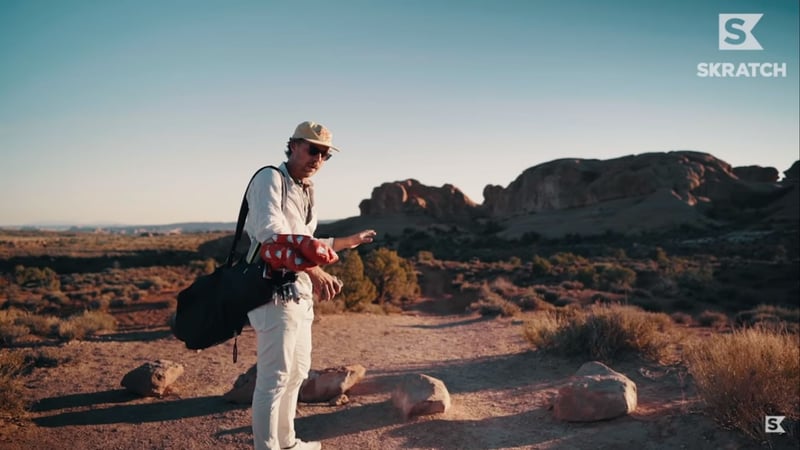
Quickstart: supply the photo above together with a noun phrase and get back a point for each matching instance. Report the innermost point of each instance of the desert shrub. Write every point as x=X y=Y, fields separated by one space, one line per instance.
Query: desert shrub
x=333 y=307
x=551 y=296
x=603 y=332
x=371 y=308
x=152 y=284
x=56 y=299
x=490 y=303
x=101 y=303
x=773 y=317
x=566 y=301
x=357 y=289
x=618 y=253
x=682 y=318
x=660 y=257
x=571 y=285
x=530 y=300
x=541 y=266
x=599 y=297
x=33 y=277
x=714 y=319
x=614 y=276
x=696 y=277
x=44 y=357
x=586 y=275
x=12 y=365
x=425 y=256
x=39 y=325
x=746 y=375
x=86 y=324
x=502 y=286
x=394 y=277
x=10 y=330
x=567 y=259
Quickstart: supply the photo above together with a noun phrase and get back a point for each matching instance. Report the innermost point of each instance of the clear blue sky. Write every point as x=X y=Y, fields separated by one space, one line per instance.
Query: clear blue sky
x=152 y=112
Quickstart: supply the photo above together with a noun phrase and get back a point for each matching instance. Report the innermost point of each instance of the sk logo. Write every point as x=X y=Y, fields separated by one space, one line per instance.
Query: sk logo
x=772 y=424
x=736 y=32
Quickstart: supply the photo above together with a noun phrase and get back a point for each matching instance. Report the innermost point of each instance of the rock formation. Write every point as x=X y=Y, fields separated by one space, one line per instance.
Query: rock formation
x=412 y=197
x=634 y=193
x=692 y=177
x=756 y=173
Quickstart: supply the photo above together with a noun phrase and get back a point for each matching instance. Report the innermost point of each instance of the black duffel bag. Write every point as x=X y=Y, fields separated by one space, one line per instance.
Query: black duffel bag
x=214 y=307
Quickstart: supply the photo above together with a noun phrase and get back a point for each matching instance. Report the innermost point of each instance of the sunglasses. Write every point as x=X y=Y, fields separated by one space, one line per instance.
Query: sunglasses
x=314 y=151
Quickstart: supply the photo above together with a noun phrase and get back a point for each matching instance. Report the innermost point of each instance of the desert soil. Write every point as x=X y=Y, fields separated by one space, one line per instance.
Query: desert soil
x=501 y=393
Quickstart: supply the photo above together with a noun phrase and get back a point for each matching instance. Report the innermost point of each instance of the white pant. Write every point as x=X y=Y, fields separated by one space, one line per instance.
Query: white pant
x=284 y=359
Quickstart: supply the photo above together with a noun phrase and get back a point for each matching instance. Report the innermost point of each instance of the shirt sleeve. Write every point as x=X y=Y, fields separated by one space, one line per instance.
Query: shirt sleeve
x=265 y=216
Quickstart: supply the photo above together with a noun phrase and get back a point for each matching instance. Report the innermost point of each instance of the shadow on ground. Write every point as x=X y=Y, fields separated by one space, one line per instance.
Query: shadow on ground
x=157 y=411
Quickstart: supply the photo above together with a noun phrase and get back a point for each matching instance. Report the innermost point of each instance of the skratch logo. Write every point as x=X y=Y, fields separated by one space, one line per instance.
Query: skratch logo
x=736 y=33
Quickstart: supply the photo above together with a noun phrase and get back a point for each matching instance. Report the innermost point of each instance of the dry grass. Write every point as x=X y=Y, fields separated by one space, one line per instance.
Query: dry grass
x=604 y=332
x=86 y=324
x=16 y=324
x=10 y=330
x=39 y=325
x=746 y=375
x=12 y=364
x=773 y=317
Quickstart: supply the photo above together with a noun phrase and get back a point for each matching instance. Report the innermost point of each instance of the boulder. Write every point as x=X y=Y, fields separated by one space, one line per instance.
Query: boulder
x=152 y=379
x=328 y=384
x=594 y=393
x=419 y=394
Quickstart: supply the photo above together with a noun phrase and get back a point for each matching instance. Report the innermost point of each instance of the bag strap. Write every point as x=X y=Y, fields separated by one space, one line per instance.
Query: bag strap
x=245 y=208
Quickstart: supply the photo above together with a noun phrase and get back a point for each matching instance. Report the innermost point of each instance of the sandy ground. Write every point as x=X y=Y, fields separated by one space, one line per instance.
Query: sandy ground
x=501 y=393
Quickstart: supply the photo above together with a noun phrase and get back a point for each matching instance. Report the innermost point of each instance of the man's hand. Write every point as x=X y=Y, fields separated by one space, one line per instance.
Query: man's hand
x=354 y=240
x=325 y=285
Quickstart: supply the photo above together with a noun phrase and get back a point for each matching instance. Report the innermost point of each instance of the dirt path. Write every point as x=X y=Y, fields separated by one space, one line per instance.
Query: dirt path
x=501 y=392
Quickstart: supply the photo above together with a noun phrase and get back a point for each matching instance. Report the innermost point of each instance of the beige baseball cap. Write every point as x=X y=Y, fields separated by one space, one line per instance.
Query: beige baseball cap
x=314 y=133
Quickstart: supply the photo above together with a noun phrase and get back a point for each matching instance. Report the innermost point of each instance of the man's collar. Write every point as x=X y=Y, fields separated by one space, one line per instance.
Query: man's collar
x=285 y=169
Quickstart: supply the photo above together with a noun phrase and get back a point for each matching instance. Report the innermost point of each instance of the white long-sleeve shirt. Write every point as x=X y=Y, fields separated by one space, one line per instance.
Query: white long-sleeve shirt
x=267 y=217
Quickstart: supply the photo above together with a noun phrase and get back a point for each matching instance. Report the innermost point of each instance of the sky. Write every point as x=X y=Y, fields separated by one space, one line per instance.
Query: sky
x=159 y=111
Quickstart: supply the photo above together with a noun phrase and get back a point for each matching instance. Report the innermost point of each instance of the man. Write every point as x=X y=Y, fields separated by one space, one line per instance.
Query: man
x=283 y=203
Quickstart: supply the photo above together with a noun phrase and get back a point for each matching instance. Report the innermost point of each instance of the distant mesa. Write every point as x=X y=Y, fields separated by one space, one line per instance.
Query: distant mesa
x=590 y=196
x=690 y=177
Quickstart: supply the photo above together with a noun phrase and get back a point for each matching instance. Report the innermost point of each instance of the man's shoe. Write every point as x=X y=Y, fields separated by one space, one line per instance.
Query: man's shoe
x=302 y=445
